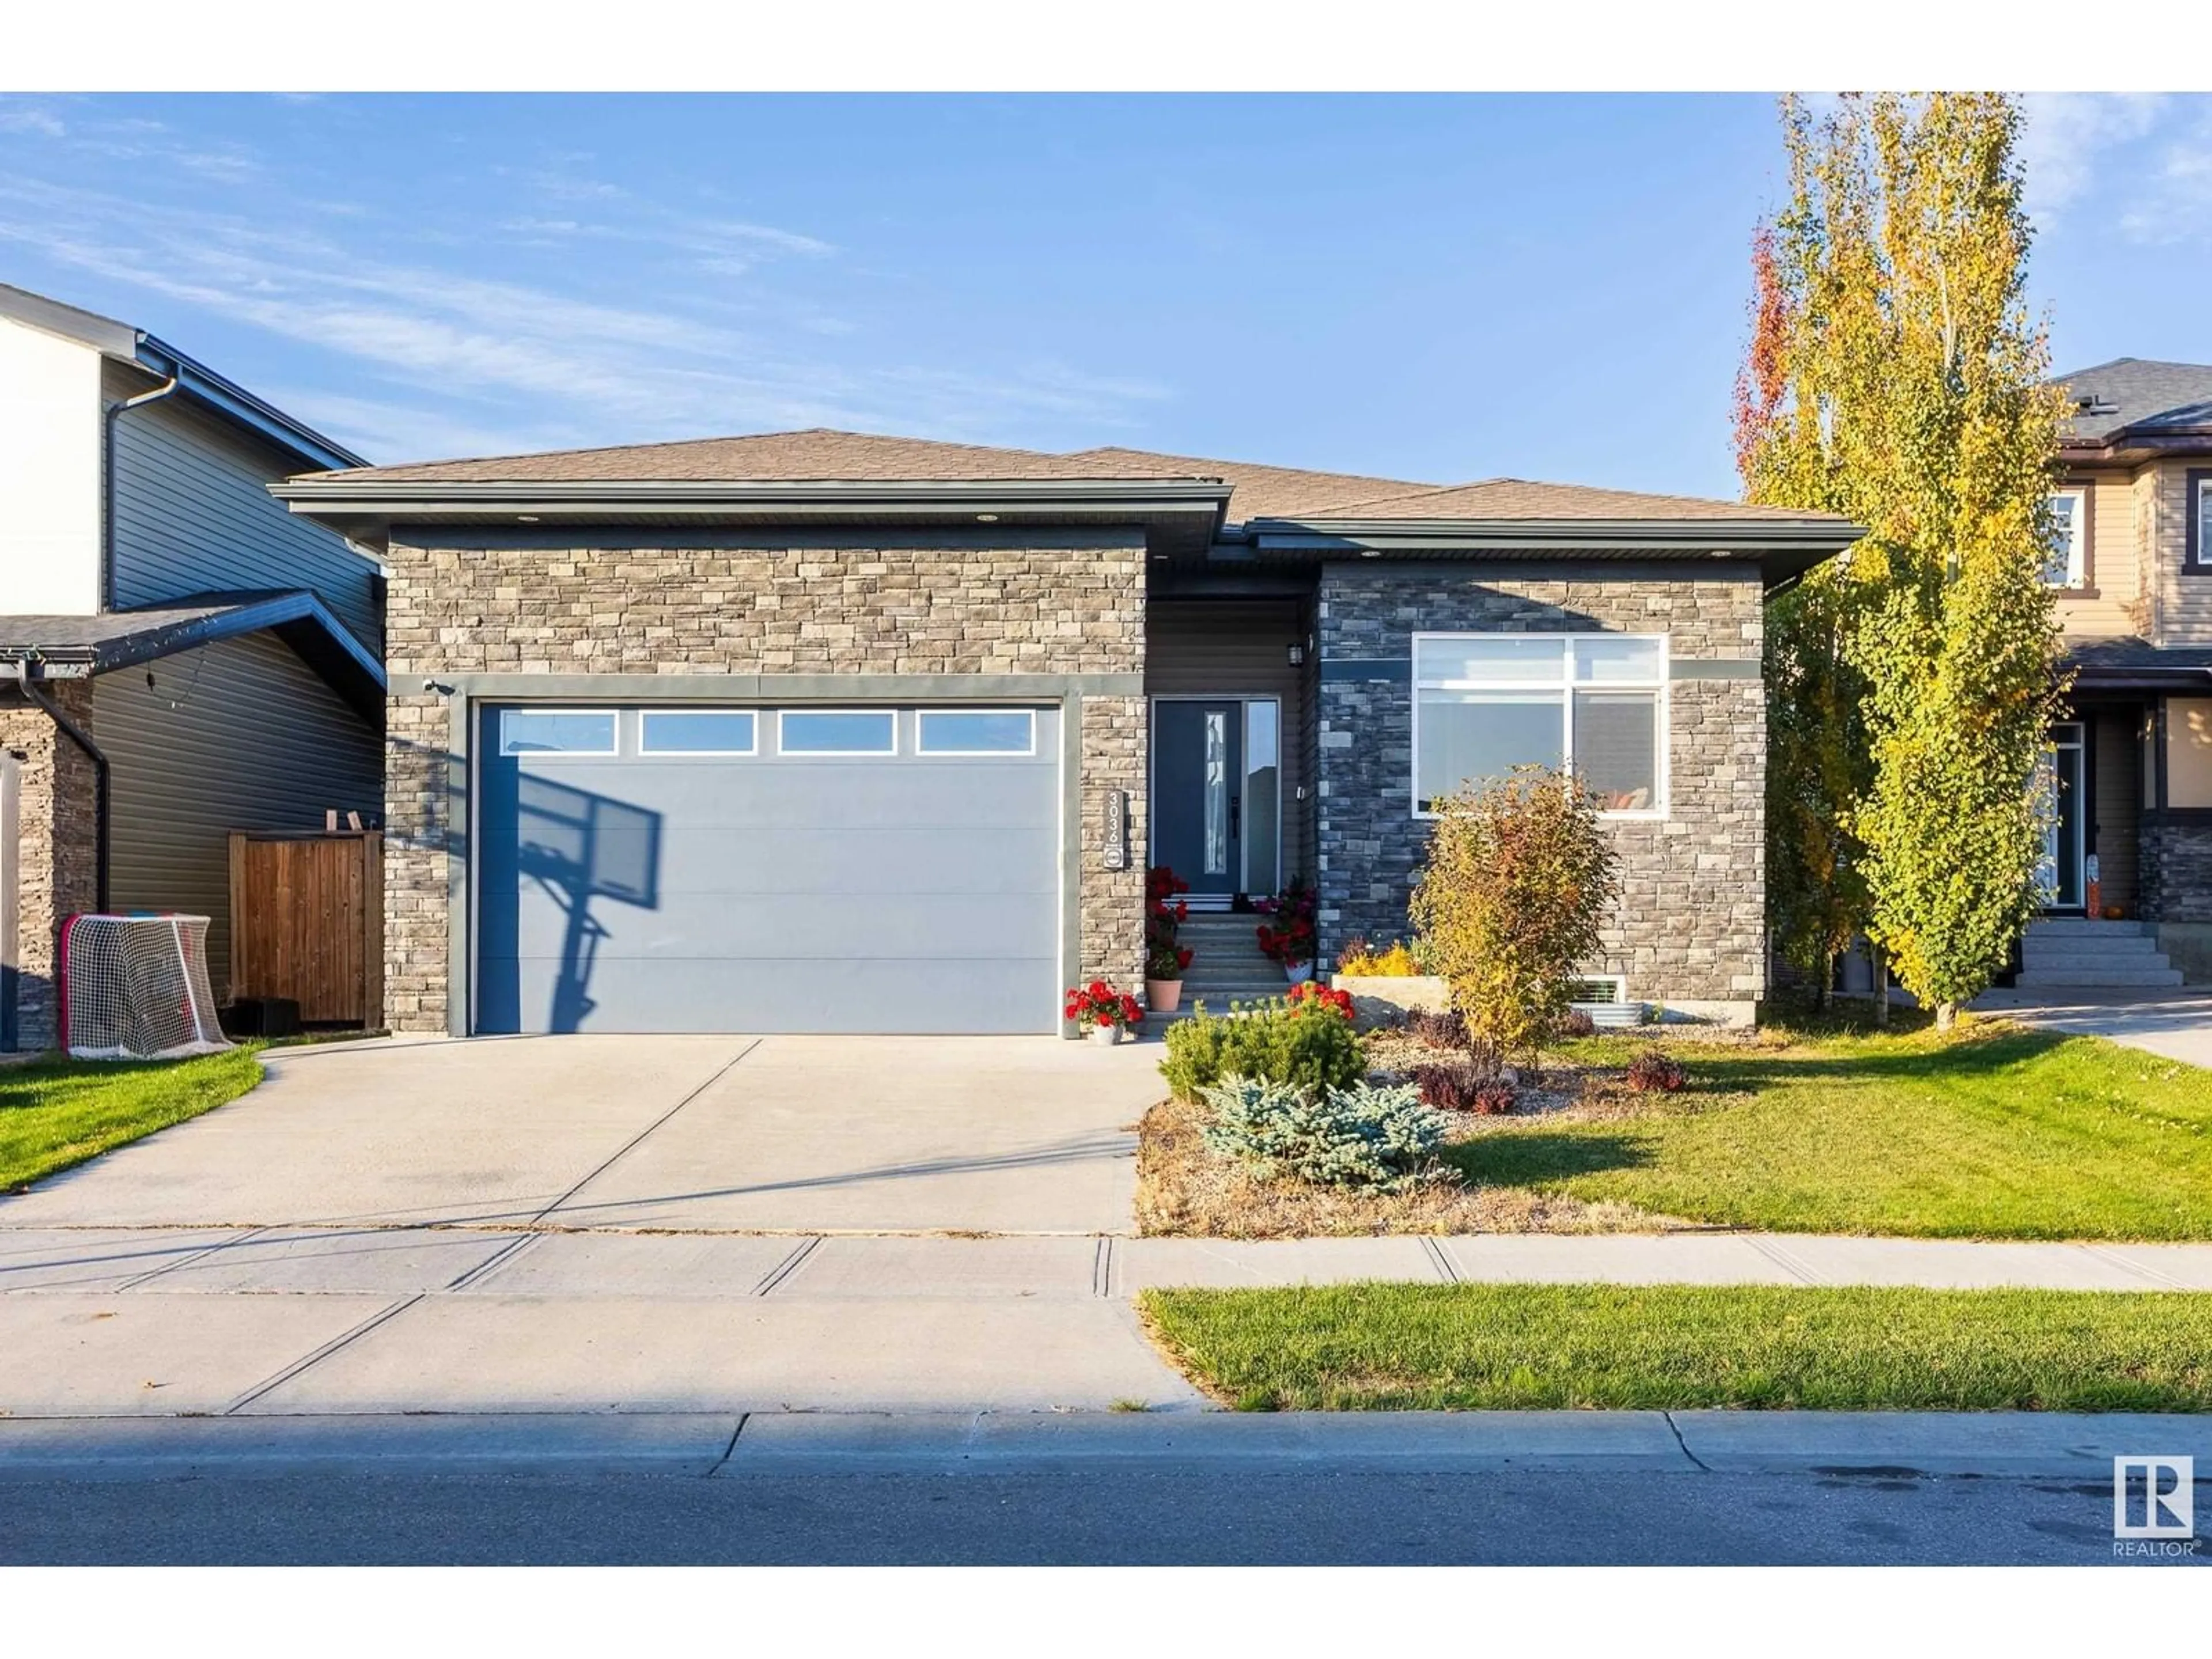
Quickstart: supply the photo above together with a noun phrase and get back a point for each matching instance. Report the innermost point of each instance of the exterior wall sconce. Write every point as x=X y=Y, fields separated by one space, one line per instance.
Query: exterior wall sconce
x=1297 y=656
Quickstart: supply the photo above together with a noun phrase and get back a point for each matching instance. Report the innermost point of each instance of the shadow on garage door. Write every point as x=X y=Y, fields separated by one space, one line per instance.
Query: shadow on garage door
x=624 y=885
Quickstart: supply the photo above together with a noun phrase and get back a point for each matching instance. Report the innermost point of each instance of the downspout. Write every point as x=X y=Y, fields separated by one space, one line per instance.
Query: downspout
x=109 y=415
x=77 y=734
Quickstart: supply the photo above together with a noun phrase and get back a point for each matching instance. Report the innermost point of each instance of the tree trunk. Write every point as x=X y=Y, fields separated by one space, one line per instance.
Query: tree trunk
x=1824 y=986
x=1880 y=984
x=1946 y=1016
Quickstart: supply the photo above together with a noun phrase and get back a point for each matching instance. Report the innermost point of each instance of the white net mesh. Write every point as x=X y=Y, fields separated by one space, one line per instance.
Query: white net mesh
x=135 y=987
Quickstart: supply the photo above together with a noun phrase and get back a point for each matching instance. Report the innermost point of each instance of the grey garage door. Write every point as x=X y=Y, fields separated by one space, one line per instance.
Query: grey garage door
x=689 y=869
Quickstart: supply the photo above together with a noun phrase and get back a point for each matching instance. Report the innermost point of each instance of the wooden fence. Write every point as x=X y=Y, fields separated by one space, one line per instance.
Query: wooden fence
x=307 y=921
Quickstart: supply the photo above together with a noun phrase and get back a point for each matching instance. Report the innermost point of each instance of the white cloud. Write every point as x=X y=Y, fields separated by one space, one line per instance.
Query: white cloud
x=37 y=121
x=432 y=361
x=2070 y=135
x=2171 y=198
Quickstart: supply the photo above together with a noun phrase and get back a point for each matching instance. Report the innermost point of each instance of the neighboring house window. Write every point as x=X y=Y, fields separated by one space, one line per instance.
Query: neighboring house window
x=2200 y=519
x=1592 y=704
x=2064 y=560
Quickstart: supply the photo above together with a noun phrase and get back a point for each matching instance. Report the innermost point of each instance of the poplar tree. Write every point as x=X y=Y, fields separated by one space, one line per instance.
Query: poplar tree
x=1896 y=377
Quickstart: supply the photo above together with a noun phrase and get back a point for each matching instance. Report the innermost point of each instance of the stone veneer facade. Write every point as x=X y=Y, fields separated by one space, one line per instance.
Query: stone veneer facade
x=2175 y=875
x=1690 y=925
x=800 y=602
x=56 y=858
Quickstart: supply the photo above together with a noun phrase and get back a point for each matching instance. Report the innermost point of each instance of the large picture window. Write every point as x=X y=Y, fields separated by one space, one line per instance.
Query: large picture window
x=1590 y=703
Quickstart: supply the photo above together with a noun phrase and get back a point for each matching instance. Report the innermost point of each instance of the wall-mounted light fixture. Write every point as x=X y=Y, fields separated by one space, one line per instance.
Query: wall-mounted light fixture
x=1297 y=656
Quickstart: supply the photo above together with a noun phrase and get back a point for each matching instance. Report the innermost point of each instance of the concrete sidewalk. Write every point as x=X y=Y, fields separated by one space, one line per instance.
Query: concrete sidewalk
x=160 y=1323
x=1891 y=1445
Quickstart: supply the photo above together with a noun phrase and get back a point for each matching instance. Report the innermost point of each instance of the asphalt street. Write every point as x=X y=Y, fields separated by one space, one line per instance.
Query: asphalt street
x=1102 y=1515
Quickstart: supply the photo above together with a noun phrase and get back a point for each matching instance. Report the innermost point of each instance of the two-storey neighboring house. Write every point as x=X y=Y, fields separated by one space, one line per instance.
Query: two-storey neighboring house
x=2133 y=569
x=179 y=656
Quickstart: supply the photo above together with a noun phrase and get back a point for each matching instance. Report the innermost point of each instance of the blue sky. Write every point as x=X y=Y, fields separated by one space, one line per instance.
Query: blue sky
x=1429 y=288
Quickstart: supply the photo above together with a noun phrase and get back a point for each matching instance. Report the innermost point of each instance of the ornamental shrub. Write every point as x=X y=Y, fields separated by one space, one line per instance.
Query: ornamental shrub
x=1575 y=1023
x=1307 y=1045
x=1358 y=1136
x=1519 y=880
x=1362 y=960
x=1444 y=1029
x=1462 y=1086
x=1654 y=1072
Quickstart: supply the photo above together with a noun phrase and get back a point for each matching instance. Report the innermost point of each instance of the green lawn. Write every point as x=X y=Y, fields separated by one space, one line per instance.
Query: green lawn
x=1426 y=1347
x=54 y=1112
x=1995 y=1131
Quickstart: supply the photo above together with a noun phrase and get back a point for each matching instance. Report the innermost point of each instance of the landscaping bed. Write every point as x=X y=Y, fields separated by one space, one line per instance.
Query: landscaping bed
x=57 y=1112
x=1454 y=1347
x=1993 y=1131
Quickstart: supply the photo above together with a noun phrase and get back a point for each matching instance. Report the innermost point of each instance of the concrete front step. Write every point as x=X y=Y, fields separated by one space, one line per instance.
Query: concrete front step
x=2083 y=928
x=2048 y=979
x=2135 y=949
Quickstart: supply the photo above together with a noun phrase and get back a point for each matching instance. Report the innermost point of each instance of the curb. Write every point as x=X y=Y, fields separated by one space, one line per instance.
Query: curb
x=1843 y=1444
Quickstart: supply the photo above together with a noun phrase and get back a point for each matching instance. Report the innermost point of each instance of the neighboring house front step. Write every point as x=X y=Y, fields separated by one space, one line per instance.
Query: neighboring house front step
x=2092 y=954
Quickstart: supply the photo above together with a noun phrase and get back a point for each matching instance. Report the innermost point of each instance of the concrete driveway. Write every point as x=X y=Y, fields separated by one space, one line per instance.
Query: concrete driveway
x=689 y=1134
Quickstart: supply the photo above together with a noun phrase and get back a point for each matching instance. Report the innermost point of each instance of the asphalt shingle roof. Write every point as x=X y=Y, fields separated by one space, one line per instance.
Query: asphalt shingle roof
x=2135 y=394
x=822 y=456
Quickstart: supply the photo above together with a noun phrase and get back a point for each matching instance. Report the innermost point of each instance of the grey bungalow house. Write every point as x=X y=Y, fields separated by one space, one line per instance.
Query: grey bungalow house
x=820 y=731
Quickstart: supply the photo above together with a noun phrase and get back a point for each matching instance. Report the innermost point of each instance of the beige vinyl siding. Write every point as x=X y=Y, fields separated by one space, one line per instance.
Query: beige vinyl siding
x=193 y=514
x=1240 y=647
x=2142 y=492
x=2185 y=596
x=2189 y=752
x=258 y=741
x=2115 y=790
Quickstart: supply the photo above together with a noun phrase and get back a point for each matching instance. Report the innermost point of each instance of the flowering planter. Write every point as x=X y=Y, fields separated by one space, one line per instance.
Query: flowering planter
x=1105 y=1036
x=1161 y=995
x=1298 y=972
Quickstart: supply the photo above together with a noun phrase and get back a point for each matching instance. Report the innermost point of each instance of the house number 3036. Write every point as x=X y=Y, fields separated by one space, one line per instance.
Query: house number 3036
x=1114 y=842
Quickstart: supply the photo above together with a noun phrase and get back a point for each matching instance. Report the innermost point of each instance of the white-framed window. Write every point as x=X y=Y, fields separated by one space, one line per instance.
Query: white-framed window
x=836 y=732
x=556 y=731
x=698 y=731
x=2200 y=518
x=1594 y=704
x=2065 y=558
x=975 y=731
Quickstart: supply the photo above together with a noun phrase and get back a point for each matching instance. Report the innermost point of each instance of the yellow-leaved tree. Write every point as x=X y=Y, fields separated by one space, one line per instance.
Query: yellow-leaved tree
x=1897 y=377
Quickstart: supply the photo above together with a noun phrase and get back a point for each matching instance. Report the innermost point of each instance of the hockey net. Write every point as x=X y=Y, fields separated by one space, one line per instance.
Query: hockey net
x=135 y=987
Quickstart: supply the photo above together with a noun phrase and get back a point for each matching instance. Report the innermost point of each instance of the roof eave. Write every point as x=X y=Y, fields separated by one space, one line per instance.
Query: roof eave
x=366 y=507
x=2129 y=447
x=1782 y=548
x=219 y=392
x=298 y=617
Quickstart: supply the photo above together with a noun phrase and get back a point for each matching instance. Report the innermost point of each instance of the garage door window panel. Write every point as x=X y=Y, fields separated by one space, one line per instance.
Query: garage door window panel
x=713 y=731
x=556 y=732
x=837 y=731
x=976 y=732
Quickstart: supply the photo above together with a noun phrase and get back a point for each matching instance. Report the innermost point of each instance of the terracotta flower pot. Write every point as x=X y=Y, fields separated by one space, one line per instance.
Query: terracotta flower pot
x=1106 y=1036
x=1161 y=995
